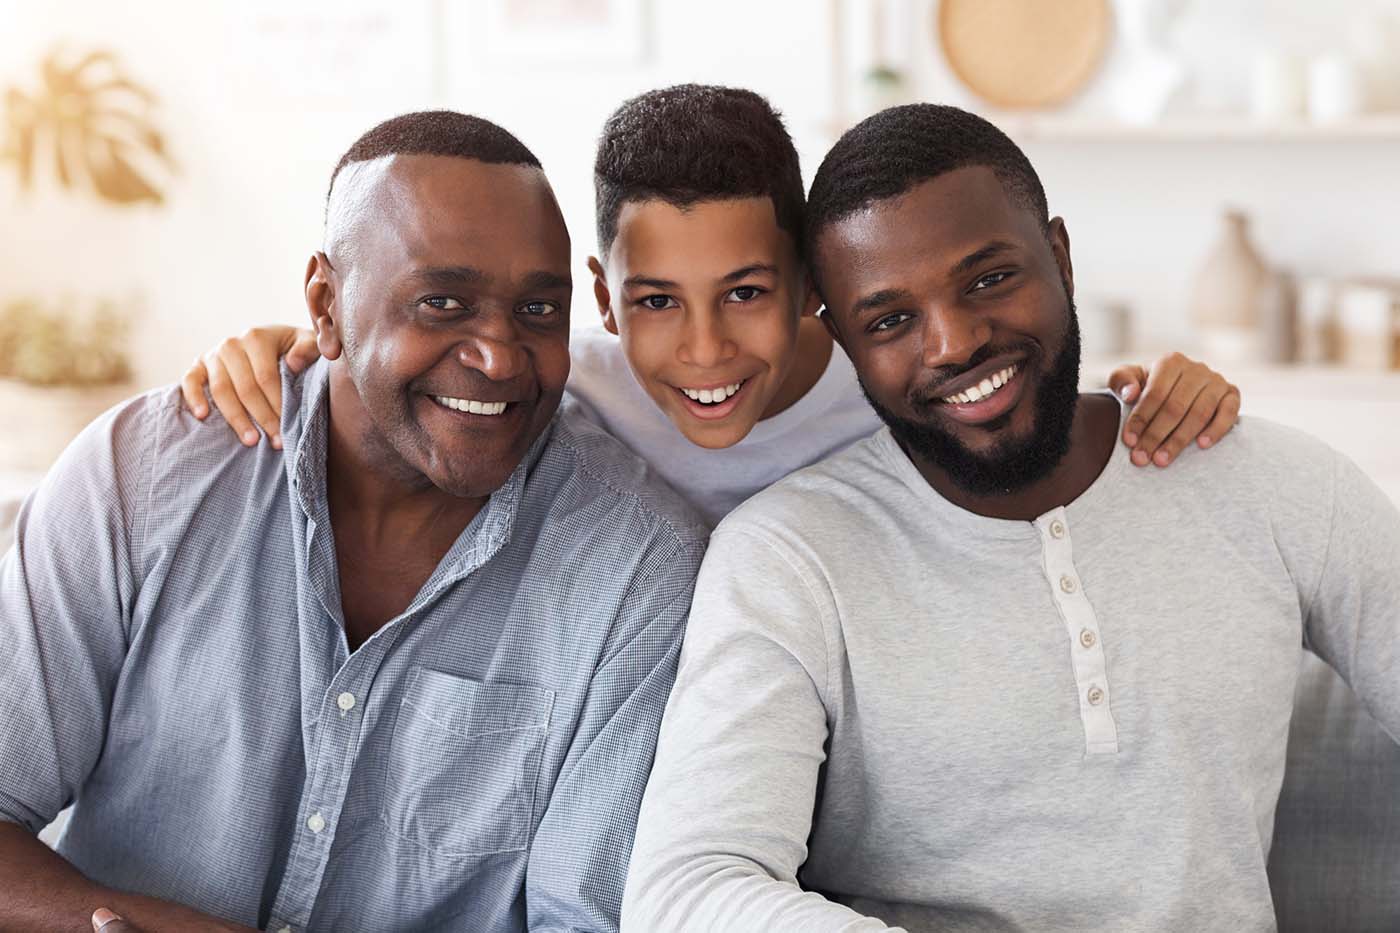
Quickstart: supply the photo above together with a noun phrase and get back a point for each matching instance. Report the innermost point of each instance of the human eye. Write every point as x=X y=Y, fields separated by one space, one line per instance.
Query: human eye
x=889 y=321
x=745 y=293
x=657 y=302
x=539 y=308
x=442 y=303
x=990 y=280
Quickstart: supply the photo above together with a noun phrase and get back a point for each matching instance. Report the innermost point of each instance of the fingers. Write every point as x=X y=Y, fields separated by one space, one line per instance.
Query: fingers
x=192 y=389
x=1201 y=412
x=1191 y=401
x=1227 y=413
x=225 y=393
x=1160 y=381
x=1174 y=409
x=239 y=358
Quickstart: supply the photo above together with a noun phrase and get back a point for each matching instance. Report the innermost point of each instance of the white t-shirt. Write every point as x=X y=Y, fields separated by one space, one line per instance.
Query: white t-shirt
x=832 y=415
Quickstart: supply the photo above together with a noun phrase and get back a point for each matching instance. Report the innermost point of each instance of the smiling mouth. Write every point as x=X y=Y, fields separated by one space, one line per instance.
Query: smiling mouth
x=471 y=406
x=984 y=389
x=716 y=396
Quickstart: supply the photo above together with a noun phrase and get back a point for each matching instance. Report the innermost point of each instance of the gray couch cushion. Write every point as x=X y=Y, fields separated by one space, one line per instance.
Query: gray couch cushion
x=1335 y=862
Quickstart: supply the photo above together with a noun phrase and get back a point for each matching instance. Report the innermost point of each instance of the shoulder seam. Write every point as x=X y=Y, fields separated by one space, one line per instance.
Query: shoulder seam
x=583 y=466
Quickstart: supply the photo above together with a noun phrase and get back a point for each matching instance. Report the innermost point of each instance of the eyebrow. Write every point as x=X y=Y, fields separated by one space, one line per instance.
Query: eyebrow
x=752 y=268
x=642 y=281
x=450 y=275
x=543 y=280
x=743 y=272
x=878 y=299
x=976 y=257
x=469 y=276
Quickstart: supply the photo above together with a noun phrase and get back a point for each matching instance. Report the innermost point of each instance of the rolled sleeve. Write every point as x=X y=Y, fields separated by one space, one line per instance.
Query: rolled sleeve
x=66 y=588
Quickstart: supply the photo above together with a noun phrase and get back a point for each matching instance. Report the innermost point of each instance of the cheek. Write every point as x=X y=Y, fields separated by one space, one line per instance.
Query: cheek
x=768 y=334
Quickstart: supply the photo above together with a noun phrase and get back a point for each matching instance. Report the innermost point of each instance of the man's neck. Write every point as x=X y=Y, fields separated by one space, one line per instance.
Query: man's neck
x=814 y=348
x=1092 y=436
x=392 y=527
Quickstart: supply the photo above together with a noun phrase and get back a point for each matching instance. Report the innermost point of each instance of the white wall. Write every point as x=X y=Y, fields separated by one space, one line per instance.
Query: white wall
x=260 y=98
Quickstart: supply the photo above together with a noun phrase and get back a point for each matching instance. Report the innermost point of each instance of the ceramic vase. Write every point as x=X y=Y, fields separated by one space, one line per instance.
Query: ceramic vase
x=1231 y=288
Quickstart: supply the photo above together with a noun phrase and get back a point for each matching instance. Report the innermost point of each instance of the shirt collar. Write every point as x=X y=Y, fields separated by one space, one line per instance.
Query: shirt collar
x=305 y=427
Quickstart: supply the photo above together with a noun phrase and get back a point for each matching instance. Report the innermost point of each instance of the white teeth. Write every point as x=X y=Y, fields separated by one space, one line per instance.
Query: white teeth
x=712 y=396
x=983 y=389
x=471 y=406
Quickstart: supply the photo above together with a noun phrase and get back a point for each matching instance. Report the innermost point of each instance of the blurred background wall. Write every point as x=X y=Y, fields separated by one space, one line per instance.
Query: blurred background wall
x=1166 y=113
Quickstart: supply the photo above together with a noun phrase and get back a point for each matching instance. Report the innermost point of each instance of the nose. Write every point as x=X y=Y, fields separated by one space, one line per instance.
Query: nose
x=705 y=341
x=494 y=349
x=952 y=335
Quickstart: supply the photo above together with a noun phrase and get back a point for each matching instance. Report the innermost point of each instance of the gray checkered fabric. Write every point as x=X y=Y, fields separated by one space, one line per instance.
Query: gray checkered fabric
x=176 y=666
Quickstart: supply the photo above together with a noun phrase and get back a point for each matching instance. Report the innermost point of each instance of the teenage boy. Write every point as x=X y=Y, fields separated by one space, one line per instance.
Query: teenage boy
x=976 y=672
x=711 y=363
x=407 y=676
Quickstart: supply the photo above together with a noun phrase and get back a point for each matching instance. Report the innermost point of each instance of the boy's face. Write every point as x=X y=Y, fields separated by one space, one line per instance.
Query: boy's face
x=706 y=299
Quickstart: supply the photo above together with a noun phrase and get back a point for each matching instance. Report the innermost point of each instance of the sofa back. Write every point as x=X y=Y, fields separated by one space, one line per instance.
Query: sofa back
x=1335 y=861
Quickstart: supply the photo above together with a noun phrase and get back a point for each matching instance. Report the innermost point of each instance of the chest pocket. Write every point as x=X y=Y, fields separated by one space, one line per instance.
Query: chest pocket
x=463 y=764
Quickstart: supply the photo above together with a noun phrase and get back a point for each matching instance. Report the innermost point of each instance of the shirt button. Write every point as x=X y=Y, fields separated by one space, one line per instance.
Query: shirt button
x=1057 y=529
x=1087 y=638
x=316 y=822
x=286 y=930
x=346 y=702
x=1095 y=696
x=1067 y=583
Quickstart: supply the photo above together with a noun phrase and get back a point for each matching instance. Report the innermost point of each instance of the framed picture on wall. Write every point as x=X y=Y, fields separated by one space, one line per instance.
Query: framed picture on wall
x=544 y=31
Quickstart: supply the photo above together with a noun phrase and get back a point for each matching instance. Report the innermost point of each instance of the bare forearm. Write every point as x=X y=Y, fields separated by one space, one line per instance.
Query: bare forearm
x=40 y=892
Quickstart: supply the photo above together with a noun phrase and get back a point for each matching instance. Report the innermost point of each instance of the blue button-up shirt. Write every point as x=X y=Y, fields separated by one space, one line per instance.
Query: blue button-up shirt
x=175 y=665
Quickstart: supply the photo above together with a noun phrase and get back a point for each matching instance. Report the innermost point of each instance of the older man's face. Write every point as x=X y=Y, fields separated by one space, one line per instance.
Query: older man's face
x=453 y=315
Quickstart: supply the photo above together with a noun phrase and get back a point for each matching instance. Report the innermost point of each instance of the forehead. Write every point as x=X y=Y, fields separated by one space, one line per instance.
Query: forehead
x=938 y=222
x=448 y=210
x=708 y=236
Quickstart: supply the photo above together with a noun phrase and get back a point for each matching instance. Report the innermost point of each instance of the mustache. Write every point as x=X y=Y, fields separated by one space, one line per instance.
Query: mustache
x=925 y=393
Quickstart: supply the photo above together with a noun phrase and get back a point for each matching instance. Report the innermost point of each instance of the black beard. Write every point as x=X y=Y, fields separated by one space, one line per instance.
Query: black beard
x=1011 y=464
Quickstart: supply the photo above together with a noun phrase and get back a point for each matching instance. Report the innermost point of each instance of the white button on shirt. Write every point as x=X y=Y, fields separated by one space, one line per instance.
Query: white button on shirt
x=316 y=822
x=346 y=702
x=1076 y=610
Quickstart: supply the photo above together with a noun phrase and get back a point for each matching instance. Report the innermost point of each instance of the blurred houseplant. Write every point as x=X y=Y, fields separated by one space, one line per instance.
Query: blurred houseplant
x=86 y=127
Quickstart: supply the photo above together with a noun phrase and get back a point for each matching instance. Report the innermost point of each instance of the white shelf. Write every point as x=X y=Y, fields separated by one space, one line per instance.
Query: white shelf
x=1380 y=127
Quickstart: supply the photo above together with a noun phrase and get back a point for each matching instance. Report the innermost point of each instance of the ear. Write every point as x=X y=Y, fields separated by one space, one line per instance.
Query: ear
x=602 y=294
x=320 y=302
x=1059 y=245
x=830 y=325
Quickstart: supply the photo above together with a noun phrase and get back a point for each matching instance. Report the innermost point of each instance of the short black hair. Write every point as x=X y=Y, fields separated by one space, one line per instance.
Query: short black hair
x=438 y=132
x=692 y=143
x=887 y=154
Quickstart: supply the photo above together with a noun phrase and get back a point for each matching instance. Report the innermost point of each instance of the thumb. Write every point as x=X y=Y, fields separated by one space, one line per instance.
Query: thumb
x=106 y=921
x=303 y=351
x=1127 y=382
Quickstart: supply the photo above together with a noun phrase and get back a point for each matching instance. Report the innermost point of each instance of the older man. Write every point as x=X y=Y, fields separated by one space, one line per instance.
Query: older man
x=405 y=676
x=976 y=672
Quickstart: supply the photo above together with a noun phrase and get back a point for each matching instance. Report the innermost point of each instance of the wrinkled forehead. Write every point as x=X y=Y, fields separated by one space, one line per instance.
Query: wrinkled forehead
x=445 y=209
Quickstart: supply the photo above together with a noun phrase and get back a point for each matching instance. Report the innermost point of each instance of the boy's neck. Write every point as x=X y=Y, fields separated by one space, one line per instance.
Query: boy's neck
x=813 y=355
